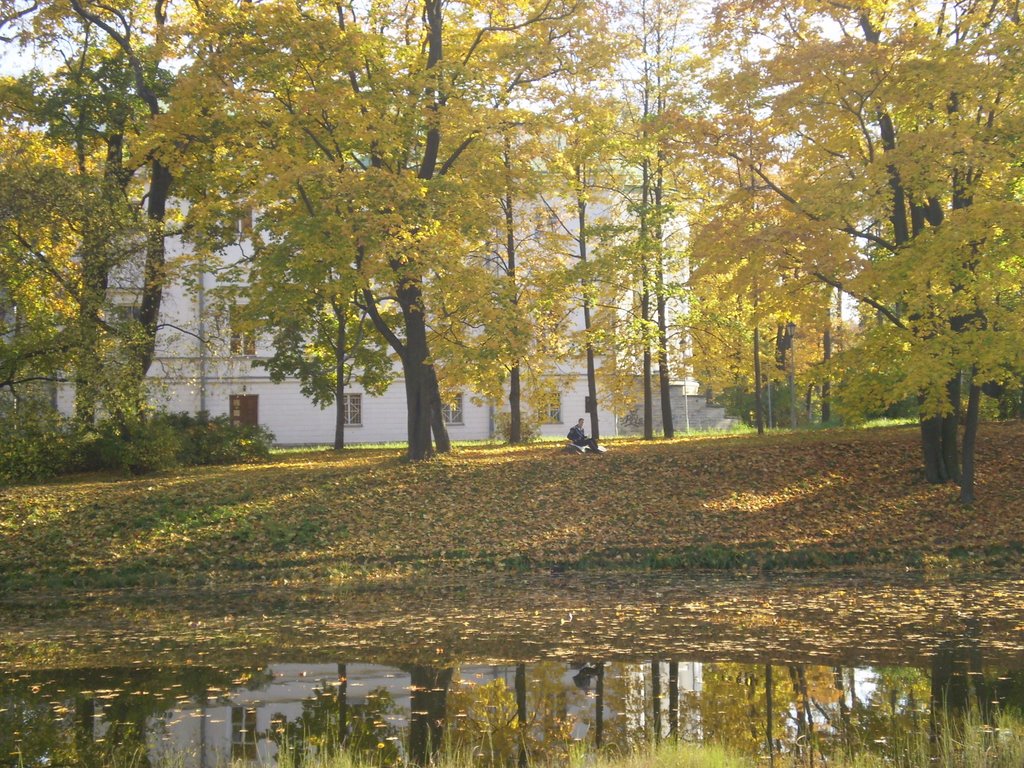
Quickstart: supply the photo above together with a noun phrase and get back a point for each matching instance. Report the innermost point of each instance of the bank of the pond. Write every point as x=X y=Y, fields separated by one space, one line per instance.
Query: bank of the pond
x=962 y=742
x=805 y=500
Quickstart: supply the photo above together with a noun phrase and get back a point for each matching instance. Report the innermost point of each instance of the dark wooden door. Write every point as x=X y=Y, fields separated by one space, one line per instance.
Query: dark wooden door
x=245 y=410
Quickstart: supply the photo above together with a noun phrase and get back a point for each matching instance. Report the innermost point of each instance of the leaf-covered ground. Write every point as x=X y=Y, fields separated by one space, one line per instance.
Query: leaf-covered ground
x=802 y=500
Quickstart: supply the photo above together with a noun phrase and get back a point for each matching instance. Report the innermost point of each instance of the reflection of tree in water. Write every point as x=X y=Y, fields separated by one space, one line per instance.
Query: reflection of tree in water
x=802 y=713
x=329 y=723
x=121 y=703
x=484 y=717
x=806 y=712
x=29 y=734
x=531 y=722
x=428 y=710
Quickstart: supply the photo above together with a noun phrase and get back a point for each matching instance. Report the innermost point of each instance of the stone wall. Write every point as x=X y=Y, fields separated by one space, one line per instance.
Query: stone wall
x=687 y=409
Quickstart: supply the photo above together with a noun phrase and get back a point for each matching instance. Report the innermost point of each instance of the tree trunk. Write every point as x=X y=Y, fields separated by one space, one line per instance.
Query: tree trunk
x=428 y=704
x=153 y=271
x=645 y=292
x=663 y=373
x=826 y=384
x=595 y=430
x=423 y=400
x=950 y=431
x=422 y=393
x=342 y=705
x=648 y=395
x=581 y=219
x=845 y=721
x=758 y=407
x=417 y=397
x=769 y=685
x=939 y=436
x=515 y=422
x=673 y=699
x=656 y=700
x=442 y=441
x=515 y=428
x=931 y=450
x=970 y=439
x=339 y=385
x=521 y=714
x=667 y=428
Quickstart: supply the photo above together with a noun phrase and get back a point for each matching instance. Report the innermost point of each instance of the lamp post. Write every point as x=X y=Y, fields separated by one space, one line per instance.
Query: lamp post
x=791 y=329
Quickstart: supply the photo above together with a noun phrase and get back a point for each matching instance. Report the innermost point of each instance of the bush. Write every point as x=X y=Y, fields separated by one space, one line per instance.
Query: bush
x=166 y=440
x=38 y=444
x=218 y=441
x=137 y=447
x=528 y=427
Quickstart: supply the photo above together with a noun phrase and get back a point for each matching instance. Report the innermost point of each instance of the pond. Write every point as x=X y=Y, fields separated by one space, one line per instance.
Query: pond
x=511 y=670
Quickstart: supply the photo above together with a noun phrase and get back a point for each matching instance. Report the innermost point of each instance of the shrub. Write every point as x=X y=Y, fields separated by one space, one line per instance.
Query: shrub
x=218 y=441
x=165 y=440
x=137 y=446
x=38 y=444
x=529 y=428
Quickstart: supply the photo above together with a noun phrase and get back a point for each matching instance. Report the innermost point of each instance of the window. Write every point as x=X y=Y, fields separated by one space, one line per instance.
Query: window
x=352 y=410
x=551 y=410
x=452 y=412
x=245 y=222
x=243 y=733
x=242 y=343
x=121 y=314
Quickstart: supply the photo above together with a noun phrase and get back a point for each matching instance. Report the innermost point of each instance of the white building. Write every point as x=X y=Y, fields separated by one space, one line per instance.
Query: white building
x=200 y=365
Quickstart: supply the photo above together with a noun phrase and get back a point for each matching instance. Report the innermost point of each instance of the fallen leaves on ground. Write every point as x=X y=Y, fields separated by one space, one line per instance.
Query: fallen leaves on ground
x=807 y=498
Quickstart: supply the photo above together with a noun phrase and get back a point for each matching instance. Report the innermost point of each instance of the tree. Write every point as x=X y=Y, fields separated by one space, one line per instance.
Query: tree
x=747 y=286
x=655 y=89
x=324 y=339
x=370 y=117
x=521 y=323
x=107 y=79
x=892 y=124
x=68 y=232
x=141 y=39
x=581 y=168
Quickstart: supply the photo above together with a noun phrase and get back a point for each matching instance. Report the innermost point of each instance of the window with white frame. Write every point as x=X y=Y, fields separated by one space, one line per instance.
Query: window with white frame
x=243 y=342
x=352 y=410
x=452 y=412
x=244 y=736
x=551 y=410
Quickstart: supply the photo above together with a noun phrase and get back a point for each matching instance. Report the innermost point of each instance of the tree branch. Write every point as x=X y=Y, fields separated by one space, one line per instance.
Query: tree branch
x=874 y=303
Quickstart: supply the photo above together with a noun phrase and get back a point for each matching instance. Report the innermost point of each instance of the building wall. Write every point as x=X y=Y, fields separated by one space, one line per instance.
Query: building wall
x=188 y=375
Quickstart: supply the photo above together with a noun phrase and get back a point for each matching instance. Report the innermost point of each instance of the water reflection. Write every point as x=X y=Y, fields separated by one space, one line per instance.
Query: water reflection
x=511 y=671
x=503 y=714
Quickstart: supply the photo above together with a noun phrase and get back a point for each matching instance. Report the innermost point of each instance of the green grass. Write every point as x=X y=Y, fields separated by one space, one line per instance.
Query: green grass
x=964 y=742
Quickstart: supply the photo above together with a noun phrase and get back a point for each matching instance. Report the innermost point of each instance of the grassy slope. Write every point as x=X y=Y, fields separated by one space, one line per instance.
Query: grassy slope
x=820 y=498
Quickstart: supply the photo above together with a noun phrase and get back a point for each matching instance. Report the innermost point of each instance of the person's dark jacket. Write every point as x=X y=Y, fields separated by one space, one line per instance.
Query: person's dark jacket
x=578 y=435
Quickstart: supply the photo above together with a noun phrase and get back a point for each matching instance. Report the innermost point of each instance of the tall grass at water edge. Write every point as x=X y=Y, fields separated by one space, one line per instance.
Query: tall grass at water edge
x=963 y=741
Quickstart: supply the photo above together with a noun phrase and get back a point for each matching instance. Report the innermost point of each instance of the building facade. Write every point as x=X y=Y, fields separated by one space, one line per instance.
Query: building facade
x=203 y=364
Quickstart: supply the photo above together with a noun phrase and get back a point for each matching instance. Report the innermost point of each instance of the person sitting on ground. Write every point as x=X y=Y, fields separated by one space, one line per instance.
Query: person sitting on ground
x=578 y=437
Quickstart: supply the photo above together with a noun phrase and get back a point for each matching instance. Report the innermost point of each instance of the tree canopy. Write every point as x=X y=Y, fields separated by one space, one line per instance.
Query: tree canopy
x=829 y=193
